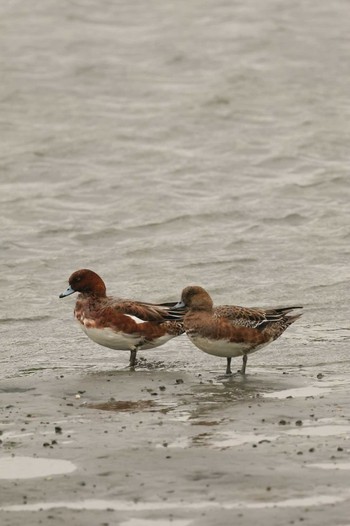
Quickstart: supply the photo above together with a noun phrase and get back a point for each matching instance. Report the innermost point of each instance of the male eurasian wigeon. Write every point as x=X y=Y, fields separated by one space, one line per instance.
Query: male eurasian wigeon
x=120 y=324
x=229 y=330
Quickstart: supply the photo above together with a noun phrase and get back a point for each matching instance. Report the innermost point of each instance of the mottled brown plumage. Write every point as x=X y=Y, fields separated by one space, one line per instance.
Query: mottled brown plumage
x=229 y=330
x=117 y=323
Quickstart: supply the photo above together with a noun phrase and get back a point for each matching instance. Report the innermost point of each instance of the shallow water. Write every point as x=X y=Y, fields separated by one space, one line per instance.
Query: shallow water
x=150 y=506
x=27 y=468
x=168 y=145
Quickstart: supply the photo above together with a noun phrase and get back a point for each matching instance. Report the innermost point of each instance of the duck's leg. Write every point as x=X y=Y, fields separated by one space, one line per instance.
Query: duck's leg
x=133 y=360
x=228 y=367
x=244 y=364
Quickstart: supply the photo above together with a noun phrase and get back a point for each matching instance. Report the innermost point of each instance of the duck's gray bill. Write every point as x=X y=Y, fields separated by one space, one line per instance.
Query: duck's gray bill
x=67 y=292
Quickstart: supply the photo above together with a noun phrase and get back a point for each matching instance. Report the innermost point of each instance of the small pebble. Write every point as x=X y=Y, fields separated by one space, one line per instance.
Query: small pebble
x=282 y=422
x=299 y=423
x=58 y=430
x=340 y=449
x=179 y=381
x=320 y=376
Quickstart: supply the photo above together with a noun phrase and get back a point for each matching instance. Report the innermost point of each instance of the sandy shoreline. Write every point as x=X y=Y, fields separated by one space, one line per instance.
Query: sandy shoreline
x=177 y=448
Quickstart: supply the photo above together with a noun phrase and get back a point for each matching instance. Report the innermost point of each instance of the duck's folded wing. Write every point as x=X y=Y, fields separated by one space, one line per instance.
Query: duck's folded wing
x=149 y=311
x=241 y=316
x=254 y=317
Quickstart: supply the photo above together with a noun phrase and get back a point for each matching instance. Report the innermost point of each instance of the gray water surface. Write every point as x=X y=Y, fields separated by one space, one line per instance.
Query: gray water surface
x=168 y=143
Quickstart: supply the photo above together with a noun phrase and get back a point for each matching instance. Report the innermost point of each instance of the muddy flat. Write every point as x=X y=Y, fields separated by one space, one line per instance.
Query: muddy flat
x=175 y=447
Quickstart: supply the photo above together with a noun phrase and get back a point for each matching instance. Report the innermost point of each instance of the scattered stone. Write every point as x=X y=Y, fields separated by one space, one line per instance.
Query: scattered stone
x=282 y=422
x=58 y=430
x=312 y=449
x=299 y=423
x=340 y=449
x=179 y=381
x=46 y=444
x=320 y=376
x=162 y=388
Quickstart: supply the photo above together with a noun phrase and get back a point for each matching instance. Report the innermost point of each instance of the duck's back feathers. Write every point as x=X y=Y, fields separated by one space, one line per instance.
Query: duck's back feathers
x=255 y=317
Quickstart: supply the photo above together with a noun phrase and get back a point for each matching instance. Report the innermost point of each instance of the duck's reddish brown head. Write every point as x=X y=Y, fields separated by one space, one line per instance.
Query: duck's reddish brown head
x=195 y=298
x=85 y=281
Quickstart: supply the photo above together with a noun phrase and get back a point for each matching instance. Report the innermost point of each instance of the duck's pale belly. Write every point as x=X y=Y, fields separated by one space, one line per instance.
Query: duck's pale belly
x=225 y=348
x=119 y=340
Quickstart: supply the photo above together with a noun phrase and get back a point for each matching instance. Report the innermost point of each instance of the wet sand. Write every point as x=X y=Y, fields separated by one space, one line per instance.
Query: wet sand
x=164 y=446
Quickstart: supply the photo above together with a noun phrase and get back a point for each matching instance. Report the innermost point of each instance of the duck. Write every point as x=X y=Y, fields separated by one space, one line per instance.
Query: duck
x=121 y=324
x=229 y=330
